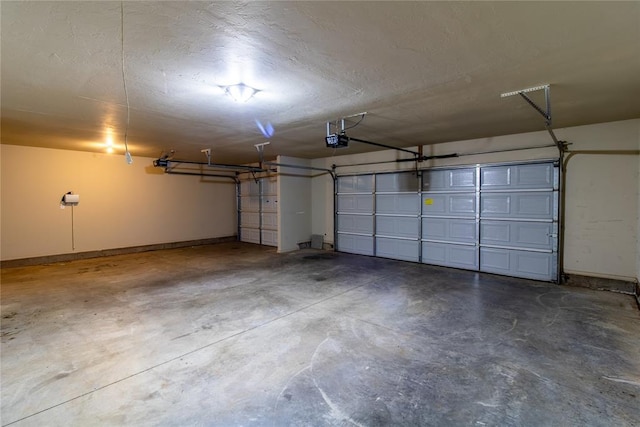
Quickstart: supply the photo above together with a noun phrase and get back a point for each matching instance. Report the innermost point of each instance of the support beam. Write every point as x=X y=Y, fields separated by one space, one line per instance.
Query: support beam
x=310 y=168
x=171 y=164
x=377 y=144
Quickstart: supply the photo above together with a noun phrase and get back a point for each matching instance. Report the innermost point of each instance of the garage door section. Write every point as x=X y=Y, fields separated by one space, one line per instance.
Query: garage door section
x=519 y=220
x=397 y=216
x=449 y=218
x=250 y=211
x=355 y=209
x=259 y=211
x=269 y=214
x=498 y=219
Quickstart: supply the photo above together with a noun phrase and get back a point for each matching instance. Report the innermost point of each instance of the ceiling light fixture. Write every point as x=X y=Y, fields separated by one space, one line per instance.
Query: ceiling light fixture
x=240 y=92
x=109 y=144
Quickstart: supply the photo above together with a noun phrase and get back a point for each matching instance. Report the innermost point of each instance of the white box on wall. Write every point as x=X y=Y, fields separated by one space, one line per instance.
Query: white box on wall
x=71 y=199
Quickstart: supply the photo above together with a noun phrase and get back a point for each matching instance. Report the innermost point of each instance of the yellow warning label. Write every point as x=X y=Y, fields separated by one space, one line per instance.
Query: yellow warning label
x=428 y=201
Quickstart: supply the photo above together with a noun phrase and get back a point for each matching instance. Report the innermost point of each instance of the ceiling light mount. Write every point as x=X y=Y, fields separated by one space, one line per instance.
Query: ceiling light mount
x=240 y=92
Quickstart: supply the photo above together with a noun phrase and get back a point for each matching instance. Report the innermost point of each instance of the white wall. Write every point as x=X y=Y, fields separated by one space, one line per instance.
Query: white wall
x=120 y=205
x=322 y=202
x=602 y=202
x=602 y=194
x=294 y=204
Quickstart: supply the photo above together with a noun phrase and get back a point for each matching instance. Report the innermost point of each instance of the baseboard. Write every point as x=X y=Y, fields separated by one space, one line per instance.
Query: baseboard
x=51 y=259
x=602 y=284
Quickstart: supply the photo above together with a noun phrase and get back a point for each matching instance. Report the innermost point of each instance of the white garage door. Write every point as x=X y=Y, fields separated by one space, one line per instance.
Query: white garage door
x=449 y=218
x=500 y=219
x=519 y=220
x=258 y=211
x=397 y=216
x=355 y=210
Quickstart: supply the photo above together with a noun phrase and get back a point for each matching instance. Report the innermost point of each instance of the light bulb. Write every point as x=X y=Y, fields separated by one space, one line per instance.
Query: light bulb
x=240 y=92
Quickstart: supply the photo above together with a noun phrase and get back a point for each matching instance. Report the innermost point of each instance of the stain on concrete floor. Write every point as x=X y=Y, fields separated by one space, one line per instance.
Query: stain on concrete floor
x=235 y=334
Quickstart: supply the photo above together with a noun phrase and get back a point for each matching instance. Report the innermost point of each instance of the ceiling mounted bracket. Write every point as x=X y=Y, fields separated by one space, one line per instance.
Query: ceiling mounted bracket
x=207 y=152
x=260 y=149
x=339 y=124
x=545 y=112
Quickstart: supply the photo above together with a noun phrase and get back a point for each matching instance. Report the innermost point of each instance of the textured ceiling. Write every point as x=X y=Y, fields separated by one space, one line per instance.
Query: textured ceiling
x=425 y=72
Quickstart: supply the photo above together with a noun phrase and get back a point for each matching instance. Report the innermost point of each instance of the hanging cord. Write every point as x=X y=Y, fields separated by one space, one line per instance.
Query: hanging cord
x=127 y=154
x=73 y=239
x=359 y=121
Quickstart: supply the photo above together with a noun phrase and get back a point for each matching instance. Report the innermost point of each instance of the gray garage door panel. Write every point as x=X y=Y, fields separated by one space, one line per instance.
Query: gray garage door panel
x=355 y=203
x=270 y=237
x=250 y=203
x=250 y=211
x=397 y=182
x=538 y=176
x=451 y=205
x=534 y=235
x=362 y=224
x=402 y=204
x=529 y=205
x=518 y=225
x=507 y=223
x=406 y=250
x=354 y=244
x=250 y=219
x=249 y=188
x=450 y=255
x=532 y=265
x=270 y=221
x=449 y=230
x=251 y=235
x=355 y=184
x=449 y=180
x=269 y=186
x=258 y=211
x=269 y=204
x=397 y=226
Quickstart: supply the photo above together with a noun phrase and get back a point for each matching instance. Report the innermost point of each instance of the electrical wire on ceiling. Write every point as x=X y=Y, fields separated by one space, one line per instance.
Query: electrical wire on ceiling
x=358 y=122
x=127 y=154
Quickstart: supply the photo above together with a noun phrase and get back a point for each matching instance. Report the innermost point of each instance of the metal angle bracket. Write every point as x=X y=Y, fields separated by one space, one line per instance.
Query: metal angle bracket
x=260 y=150
x=207 y=153
x=339 y=124
x=546 y=112
x=255 y=178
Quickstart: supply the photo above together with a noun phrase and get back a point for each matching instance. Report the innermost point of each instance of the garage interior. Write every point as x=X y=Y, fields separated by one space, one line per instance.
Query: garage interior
x=423 y=213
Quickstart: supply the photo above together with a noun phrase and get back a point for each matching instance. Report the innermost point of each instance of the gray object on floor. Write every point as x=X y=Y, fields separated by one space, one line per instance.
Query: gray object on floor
x=317 y=241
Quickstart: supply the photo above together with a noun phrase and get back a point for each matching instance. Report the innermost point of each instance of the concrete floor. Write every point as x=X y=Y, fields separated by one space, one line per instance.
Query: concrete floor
x=235 y=334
